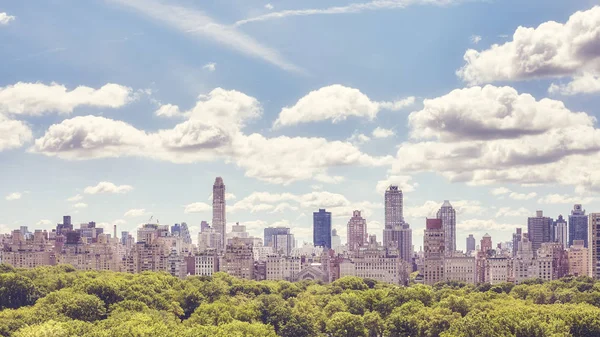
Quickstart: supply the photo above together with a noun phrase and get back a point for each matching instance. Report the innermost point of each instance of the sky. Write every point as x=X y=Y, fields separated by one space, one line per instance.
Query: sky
x=117 y=110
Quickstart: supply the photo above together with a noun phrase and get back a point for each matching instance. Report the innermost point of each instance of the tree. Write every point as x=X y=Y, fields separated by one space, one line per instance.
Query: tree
x=344 y=324
x=74 y=305
x=16 y=291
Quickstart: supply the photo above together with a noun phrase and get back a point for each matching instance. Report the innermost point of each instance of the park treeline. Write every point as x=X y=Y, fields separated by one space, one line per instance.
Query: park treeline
x=60 y=301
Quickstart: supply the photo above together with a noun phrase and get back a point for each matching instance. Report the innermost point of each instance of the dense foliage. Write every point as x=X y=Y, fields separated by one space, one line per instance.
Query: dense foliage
x=59 y=301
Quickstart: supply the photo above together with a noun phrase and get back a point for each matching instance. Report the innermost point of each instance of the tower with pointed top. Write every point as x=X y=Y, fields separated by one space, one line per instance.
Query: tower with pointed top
x=447 y=214
x=219 y=221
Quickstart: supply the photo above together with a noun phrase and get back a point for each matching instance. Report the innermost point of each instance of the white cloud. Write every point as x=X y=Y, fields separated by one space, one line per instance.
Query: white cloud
x=13 y=134
x=551 y=50
x=380 y=132
x=210 y=66
x=521 y=212
x=80 y=205
x=197 y=207
x=485 y=225
x=269 y=6
x=581 y=84
x=213 y=131
x=429 y=208
x=5 y=19
x=37 y=98
x=352 y=8
x=107 y=187
x=564 y=199
x=336 y=103
x=522 y=196
x=405 y=183
x=75 y=198
x=359 y=138
x=135 y=212
x=197 y=23
x=283 y=207
x=44 y=223
x=168 y=110
x=14 y=196
x=475 y=39
x=500 y=191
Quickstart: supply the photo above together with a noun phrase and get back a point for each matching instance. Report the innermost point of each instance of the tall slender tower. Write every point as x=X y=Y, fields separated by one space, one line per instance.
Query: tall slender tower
x=578 y=225
x=219 y=220
x=357 y=232
x=448 y=216
x=322 y=228
x=539 y=230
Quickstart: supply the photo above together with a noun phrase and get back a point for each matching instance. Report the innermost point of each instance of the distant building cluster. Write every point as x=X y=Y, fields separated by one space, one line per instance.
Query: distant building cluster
x=548 y=250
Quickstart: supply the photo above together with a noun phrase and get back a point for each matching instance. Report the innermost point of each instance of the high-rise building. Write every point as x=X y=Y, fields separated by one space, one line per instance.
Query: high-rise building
x=578 y=225
x=539 y=230
x=336 y=241
x=219 y=219
x=270 y=231
x=357 y=231
x=516 y=238
x=204 y=226
x=486 y=243
x=561 y=232
x=593 y=246
x=448 y=216
x=394 y=215
x=434 y=245
x=470 y=244
x=578 y=259
x=283 y=243
x=322 y=228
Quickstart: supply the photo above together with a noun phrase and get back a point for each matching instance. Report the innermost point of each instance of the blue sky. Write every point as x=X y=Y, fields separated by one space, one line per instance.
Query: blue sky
x=513 y=132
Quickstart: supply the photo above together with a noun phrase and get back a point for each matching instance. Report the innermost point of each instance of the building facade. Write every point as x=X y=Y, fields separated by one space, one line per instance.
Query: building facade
x=322 y=228
x=539 y=230
x=357 y=231
x=434 y=246
x=219 y=219
x=578 y=225
x=447 y=214
x=593 y=246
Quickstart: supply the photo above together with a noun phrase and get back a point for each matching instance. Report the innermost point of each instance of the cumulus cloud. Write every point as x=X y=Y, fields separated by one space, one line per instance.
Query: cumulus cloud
x=380 y=132
x=405 y=183
x=502 y=137
x=485 y=225
x=75 y=198
x=210 y=66
x=135 y=212
x=429 y=208
x=551 y=50
x=269 y=6
x=13 y=134
x=586 y=83
x=520 y=212
x=352 y=8
x=522 y=196
x=359 y=138
x=14 y=196
x=336 y=103
x=500 y=191
x=107 y=187
x=5 y=19
x=197 y=207
x=564 y=199
x=37 y=98
x=213 y=130
x=168 y=110
x=80 y=205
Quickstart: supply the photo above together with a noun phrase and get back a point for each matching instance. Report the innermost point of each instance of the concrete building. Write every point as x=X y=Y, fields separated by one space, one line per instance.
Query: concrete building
x=322 y=228
x=578 y=225
x=486 y=244
x=219 y=220
x=394 y=214
x=448 y=216
x=283 y=268
x=209 y=240
x=283 y=244
x=539 y=230
x=523 y=262
x=206 y=263
x=471 y=245
x=238 y=260
x=578 y=259
x=498 y=270
x=434 y=245
x=593 y=246
x=459 y=268
x=357 y=231
x=516 y=238
x=270 y=231
x=561 y=233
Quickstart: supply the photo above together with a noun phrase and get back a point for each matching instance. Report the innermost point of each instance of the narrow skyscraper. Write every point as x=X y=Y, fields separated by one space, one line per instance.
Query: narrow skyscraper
x=219 y=220
x=448 y=216
x=578 y=225
x=433 y=254
x=594 y=247
x=357 y=231
x=322 y=228
x=470 y=243
x=560 y=232
x=393 y=207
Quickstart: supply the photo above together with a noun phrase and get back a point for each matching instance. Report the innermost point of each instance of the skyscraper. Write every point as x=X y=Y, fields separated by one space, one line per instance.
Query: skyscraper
x=393 y=207
x=433 y=255
x=357 y=231
x=270 y=231
x=516 y=238
x=448 y=216
x=470 y=243
x=539 y=230
x=578 y=225
x=322 y=228
x=594 y=247
x=219 y=220
x=486 y=243
x=560 y=232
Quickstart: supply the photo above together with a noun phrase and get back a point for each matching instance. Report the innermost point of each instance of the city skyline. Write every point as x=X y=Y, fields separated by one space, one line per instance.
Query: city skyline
x=114 y=122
